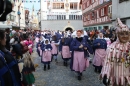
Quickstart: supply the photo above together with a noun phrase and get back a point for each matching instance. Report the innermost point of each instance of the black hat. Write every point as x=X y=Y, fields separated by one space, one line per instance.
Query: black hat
x=5 y=9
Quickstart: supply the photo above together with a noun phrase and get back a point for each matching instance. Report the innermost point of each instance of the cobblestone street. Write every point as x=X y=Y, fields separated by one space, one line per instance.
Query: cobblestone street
x=60 y=75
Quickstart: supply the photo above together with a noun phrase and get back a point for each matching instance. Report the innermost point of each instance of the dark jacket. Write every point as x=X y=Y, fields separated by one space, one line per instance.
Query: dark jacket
x=7 y=42
x=10 y=75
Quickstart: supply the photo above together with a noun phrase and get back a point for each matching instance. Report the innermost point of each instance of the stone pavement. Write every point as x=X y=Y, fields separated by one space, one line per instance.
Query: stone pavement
x=60 y=75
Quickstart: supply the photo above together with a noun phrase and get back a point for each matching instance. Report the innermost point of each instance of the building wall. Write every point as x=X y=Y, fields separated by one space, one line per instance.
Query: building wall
x=96 y=13
x=13 y=19
x=120 y=10
x=45 y=11
x=22 y=16
x=59 y=25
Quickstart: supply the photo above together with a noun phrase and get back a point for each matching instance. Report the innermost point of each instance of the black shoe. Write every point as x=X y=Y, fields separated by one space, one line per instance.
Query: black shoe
x=81 y=74
x=48 y=67
x=79 y=77
x=44 y=67
x=64 y=63
x=99 y=69
x=96 y=70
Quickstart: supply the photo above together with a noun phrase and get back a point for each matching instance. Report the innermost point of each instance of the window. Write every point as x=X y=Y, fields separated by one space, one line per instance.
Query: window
x=93 y=15
x=123 y=21
x=70 y=17
x=47 y=17
x=58 y=5
x=110 y=9
x=54 y=5
x=80 y=6
x=57 y=17
x=73 y=6
x=11 y=17
x=62 y=5
x=84 y=19
x=97 y=14
x=48 y=4
x=65 y=17
x=75 y=17
x=120 y=1
x=102 y=12
x=81 y=17
x=88 y=17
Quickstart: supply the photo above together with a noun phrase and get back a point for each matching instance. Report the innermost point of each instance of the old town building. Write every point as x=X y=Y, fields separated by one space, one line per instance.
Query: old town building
x=121 y=9
x=15 y=21
x=97 y=14
x=57 y=13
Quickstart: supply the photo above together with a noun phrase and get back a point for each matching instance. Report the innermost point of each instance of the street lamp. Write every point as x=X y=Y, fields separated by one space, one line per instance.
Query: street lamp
x=40 y=15
x=19 y=15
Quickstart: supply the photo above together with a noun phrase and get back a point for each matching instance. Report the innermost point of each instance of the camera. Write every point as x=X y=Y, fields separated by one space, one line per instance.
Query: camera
x=5 y=9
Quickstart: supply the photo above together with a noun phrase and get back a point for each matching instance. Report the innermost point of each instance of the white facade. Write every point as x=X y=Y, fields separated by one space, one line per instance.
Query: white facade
x=13 y=17
x=55 y=14
x=121 y=10
x=49 y=12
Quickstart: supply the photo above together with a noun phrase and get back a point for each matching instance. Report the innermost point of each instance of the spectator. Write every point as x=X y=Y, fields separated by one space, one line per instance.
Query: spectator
x=10 y=75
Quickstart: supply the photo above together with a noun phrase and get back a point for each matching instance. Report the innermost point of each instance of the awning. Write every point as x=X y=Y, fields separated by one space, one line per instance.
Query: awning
x=15 y=27
x=5 y=26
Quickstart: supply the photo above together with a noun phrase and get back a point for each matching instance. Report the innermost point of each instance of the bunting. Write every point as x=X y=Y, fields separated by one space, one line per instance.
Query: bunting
x=35 y=1
x=28 y=1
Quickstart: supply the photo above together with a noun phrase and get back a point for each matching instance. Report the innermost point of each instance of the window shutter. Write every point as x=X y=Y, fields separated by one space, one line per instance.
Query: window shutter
x=99 y=11
x=90 y=2
x=91 y=17
x=106 y=11
x=95 y=15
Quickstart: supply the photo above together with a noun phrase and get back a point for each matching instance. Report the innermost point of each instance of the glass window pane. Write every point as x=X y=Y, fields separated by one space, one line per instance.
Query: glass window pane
x=75 y=6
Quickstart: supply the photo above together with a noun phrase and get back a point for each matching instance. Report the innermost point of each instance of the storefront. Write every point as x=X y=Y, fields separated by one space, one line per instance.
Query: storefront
x=98 y=27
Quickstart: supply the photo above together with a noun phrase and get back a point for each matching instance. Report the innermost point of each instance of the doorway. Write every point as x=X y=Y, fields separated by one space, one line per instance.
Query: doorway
x=69 y=28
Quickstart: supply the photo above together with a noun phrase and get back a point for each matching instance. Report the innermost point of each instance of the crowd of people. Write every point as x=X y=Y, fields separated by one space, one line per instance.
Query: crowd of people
x=16 y=65
x=109 y=47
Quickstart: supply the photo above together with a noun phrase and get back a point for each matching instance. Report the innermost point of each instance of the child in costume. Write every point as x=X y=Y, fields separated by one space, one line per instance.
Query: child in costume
x=54 y=43
x=116 y=68
x=46 y=53
x=28 y=68
x=99 y=46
